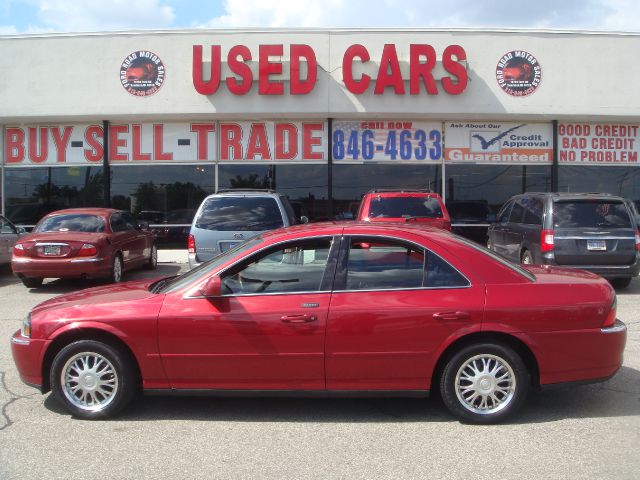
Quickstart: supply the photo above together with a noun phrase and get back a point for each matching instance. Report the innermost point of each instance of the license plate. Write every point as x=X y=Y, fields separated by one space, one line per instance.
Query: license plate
x=50 y=250
x=597 y=245
x=228 y=245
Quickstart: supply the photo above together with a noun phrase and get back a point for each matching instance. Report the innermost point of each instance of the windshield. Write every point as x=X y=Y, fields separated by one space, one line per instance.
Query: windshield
x=398 y=207
x=71 y=223
x=193 y=276
x=251 y=214
x=590 y=214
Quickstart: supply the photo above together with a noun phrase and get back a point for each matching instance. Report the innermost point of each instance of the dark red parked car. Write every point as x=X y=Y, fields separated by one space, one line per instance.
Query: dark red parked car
x=332 y=309
x=83 y=242
x=406 y=206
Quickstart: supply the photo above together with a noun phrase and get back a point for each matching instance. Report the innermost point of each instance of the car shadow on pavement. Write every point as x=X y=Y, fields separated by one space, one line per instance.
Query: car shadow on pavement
x=619 y=397
x=632 y=289
x=68 y=285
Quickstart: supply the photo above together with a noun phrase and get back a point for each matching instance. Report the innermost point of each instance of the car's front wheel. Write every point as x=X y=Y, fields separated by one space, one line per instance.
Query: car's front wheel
x=484 y=383
x=152 y=263
x=92 y=379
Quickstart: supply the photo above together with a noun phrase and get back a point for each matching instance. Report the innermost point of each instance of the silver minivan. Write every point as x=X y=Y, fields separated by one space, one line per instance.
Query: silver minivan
x=230 y=217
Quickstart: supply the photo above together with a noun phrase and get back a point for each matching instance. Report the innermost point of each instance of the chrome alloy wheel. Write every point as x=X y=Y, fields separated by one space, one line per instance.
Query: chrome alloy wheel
x=485 y=384
x=89 y=381
x=154 y=256
x=117 y=270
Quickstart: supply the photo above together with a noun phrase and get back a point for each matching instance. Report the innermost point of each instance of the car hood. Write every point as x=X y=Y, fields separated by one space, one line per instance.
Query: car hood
x=115 y=304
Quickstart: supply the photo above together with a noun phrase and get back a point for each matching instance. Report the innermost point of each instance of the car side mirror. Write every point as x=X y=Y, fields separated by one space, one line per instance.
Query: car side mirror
x=304 y=219
x=21 y=230
x=212 y=287
x=143 y=225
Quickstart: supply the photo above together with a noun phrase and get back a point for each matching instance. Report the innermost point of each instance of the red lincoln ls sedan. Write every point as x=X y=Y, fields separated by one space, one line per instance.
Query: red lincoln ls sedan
x=330 y=309
x=83 y=242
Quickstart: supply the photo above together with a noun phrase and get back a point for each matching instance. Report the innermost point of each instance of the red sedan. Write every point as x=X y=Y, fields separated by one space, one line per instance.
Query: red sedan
x=83 y=242
x=330 y=309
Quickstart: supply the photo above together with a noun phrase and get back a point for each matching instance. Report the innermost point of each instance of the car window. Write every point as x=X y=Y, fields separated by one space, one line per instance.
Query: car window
x=71 y=223
x=129 y=221
x=293 y=267
x=383 y=264
x=503 y=216
x=440 y=274
x=117 y=223
x=591 y=214
x=516 y=213
x=398 y=207
x=532 y=211
x=240 y=214
x=6 y=227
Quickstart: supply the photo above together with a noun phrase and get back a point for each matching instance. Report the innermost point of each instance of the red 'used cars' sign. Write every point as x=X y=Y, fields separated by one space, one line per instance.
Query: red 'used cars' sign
x=422 y=61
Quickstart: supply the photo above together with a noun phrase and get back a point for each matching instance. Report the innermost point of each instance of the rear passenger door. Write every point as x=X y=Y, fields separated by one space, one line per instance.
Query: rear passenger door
x=124 y=238
x=393 y=305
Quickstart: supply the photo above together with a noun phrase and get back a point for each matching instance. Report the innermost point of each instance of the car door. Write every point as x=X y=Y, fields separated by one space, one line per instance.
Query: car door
x=496 y=230
x=394 y=304
x=513 y=233
x=124 y=238
x=266 y=331
x=8 y=237
x=139 y=239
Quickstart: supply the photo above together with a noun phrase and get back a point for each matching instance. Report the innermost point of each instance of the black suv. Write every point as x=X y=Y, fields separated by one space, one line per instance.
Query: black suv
x=593 y=231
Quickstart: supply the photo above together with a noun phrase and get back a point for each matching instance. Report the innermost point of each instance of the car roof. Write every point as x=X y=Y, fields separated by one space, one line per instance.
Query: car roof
x=244 y=193
x=572 y=195
x=86 y=211
x=402 y=193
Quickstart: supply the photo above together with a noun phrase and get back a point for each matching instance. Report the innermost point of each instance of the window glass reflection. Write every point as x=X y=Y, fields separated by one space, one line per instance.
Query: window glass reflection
x=622 y=181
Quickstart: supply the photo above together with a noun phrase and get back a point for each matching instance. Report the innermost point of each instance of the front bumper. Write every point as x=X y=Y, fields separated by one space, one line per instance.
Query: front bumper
x=27 y=355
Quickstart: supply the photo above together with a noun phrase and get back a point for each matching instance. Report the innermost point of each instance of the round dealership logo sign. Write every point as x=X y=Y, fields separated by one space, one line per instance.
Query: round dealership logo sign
x=518 y=73
x=142 y=73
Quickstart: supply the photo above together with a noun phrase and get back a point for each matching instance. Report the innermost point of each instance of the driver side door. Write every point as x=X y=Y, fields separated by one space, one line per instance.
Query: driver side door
x=266 y=331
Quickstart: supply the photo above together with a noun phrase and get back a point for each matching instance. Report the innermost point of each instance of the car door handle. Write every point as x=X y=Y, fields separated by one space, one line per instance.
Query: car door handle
x=450 y=316
x=298 y=318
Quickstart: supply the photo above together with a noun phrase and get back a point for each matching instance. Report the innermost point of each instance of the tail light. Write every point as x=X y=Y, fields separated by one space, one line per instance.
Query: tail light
x=191 y=244
x=546 y=240
x=638 y=240
x=18 y=250
x=611 y=317
x=87 y=250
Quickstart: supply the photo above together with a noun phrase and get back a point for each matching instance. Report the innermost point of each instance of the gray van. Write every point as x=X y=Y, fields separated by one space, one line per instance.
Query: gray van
x=230 y=217
x=593 y=231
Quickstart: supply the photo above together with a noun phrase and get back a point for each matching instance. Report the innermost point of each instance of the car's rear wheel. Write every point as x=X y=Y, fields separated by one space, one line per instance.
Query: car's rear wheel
x=116 y=269
x=526 y=258
x=484 y=383
x=92 y=379
x=620 y=282
x=153 y=258
x=32 y=282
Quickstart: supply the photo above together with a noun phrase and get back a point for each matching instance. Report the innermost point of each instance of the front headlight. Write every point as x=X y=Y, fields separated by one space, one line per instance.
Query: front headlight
x=25 y=331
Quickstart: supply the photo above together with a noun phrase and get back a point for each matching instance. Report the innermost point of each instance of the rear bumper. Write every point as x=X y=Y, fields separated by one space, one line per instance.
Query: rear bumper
x=608 y=271
x=27 y=354
x=193 y=261
x=91 y=267
x=580 y=355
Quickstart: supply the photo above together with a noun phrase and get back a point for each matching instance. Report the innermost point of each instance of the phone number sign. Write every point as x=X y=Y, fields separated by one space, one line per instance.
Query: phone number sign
x=387 y=140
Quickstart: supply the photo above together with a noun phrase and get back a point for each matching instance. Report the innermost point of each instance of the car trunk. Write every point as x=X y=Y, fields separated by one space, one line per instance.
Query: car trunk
x=56 y=245
x=589 y=232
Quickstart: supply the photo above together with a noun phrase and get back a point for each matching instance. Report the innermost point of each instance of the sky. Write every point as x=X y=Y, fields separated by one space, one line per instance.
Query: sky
x=65 y=16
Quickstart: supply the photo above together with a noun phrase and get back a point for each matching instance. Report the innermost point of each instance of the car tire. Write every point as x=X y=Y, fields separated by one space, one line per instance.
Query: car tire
x=32 y=282
x=484 y=383
x=152 y=263
x=526 y=258
x=116 y=269
x=92 y=380
x=620 y=282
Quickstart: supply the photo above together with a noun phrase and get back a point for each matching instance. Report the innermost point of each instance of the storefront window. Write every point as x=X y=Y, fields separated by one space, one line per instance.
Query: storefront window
x=623 y=181
x=33 y=192
x=351 y=182
x=166 y=196
x=305 y=185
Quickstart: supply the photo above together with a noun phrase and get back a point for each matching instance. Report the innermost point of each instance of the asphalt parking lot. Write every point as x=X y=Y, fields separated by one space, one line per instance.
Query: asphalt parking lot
x=590 y=431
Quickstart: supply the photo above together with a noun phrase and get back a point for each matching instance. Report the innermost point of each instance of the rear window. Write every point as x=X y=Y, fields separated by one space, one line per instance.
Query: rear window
x=397 y=207
x=590 y=214
x=71 y=223
x=240 y=214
